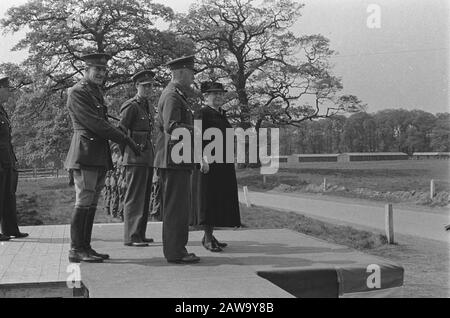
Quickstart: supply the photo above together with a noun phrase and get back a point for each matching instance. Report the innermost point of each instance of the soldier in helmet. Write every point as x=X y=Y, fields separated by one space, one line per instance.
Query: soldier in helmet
x=137 y=116
x=89 y=155
x=8 y=172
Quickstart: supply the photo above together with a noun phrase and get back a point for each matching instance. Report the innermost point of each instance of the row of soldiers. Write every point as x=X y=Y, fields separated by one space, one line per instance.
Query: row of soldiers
x=116 y=187
x=89 y=158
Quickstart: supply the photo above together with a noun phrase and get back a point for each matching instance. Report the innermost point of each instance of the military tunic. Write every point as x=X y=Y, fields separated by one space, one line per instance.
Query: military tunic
x=137 y=119
x=8 y=178
x=173 y=112
x=89 y=154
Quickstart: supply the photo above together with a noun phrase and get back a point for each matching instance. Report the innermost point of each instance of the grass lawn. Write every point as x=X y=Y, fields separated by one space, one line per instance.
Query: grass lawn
x=426 y=262
x=49 y=202
x=265 y=218
x=412 y=176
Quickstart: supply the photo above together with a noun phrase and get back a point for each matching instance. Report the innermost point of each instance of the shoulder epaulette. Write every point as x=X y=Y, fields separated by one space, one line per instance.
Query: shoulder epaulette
x=127 y=104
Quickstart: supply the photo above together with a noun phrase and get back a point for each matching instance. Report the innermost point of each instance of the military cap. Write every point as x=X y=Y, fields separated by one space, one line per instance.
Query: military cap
x=209 y=87
x=143 y=77
x=182 y=62
x=4 y=81
x=96 y=59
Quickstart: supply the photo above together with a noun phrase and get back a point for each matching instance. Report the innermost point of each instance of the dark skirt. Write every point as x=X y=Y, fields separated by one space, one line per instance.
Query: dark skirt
x=215 y=200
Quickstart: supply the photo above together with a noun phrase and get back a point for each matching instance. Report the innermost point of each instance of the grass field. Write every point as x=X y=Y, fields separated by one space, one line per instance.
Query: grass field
x=426 y=262
x=49 y=201
x=405 y=180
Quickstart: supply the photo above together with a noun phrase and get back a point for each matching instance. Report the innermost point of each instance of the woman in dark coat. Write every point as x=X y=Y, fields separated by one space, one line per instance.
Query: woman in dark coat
x=215 y=194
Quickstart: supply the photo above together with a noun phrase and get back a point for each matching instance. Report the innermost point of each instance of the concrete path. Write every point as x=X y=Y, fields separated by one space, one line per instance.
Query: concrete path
x=40 y=258
x=411 y=222
x=257 y=264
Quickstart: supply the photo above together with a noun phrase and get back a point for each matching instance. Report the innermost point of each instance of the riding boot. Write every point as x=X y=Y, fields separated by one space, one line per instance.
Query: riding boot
x=78 y=252
x=88 y=234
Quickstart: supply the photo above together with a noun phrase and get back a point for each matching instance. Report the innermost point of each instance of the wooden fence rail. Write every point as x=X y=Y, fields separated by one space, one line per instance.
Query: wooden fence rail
x=41 y=173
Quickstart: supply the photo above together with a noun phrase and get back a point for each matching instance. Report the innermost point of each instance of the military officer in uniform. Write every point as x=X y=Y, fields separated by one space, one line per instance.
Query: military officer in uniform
x=137 y=120
x=174 y=112
x=8 y=172
x=89 y=155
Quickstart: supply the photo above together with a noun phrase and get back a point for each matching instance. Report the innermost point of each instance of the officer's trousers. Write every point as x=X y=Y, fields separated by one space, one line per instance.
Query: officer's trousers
x=88 y=187
x=175 y=208
x=89 y=184
x=136 y=203
x=8 y=210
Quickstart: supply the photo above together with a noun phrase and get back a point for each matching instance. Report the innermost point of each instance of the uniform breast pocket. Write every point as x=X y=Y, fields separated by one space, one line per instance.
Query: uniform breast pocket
x=101 y=111
x=90 y=147
x=140 y=138
x=5 y=155
x=187 y=116
x=4 y=129
x=142 y=123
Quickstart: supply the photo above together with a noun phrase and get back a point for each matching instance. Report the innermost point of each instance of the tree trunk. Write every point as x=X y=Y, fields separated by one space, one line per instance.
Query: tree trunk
x=258 y=161
x=245 y=122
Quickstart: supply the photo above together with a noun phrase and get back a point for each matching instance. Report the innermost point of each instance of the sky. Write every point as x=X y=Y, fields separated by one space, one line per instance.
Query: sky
x=400 y=59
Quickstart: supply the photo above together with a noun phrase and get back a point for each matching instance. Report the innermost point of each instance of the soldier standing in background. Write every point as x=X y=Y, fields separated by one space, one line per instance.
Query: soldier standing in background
x=108 y=193
x=8 y=172
x=111 y=189
x=89 y=155
x=155 y=199
x=137 y=117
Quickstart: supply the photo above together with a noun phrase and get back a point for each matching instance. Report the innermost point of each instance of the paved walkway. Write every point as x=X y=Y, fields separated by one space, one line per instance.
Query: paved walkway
x=410 y=222
x=258 y=263
x=40 y=258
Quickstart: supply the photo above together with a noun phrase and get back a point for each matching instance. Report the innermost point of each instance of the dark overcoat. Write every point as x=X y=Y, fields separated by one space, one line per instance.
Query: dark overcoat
x=215 y=199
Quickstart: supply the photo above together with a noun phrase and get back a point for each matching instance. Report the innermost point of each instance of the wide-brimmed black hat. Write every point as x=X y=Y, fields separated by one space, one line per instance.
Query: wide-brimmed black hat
x=143 y=77
x=210 y=87
x=182 y=62
x=96 y=59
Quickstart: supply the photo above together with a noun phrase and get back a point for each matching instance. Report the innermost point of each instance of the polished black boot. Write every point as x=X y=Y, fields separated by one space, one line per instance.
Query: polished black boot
x=78 y=252
x=88 y=235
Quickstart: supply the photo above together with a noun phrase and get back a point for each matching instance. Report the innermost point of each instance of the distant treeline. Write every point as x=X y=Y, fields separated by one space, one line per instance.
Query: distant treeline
x=391 y=130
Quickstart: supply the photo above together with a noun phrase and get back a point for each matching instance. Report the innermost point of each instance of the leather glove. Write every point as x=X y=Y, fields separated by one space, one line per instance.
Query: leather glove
x=130 y=143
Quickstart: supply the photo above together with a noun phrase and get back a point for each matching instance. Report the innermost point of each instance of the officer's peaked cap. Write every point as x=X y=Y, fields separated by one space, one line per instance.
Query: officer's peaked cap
x=143 y=77
x=96 y=59
x=182 y=62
